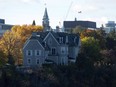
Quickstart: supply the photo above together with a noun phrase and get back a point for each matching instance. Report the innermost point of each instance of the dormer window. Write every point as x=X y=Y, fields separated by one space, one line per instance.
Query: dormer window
x=60 y=39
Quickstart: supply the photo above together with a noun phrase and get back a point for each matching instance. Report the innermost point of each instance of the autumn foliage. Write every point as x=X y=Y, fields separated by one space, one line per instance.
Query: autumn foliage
x=12 y=41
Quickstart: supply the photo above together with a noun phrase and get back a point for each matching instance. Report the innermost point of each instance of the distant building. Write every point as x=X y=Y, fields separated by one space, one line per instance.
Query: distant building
x=50 y=47
x=110 y=26
x=4 y=27
x=68 y=25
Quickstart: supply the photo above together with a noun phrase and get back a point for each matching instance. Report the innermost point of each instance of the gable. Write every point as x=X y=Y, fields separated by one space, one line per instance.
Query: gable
x=33 y=44
x=50 y=37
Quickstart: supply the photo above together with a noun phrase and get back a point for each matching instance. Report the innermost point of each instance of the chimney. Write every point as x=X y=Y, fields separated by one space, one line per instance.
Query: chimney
x=75 y=19
x=57 y=29
x=34 y=33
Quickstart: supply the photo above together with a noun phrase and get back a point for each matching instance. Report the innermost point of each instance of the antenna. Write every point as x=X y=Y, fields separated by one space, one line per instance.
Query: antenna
x=69 y=9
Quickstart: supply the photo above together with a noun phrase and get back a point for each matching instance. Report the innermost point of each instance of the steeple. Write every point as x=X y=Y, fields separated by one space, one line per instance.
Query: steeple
x=46 y=21
x=45 y=15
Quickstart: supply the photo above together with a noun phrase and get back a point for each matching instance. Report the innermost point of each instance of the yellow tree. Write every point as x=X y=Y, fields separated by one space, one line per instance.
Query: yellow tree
x=12 y=41
x=8 y=43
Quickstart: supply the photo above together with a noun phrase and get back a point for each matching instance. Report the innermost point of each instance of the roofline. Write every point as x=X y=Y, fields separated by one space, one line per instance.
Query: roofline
x=31 y=40
x=52 y=36
x=26 y=43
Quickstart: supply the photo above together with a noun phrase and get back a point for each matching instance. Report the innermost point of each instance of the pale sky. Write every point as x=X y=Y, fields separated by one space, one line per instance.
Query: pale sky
x=25 y=11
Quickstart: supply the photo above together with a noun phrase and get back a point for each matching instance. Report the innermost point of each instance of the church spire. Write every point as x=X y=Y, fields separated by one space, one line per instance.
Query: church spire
x=45 y=15
x=46 y=21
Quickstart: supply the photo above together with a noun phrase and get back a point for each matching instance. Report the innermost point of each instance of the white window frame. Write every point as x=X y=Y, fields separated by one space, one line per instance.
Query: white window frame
x=63 y=49
x=36 y=52
x=28 y=61
x=27 y=52
x=37 y=61
x=60 y=39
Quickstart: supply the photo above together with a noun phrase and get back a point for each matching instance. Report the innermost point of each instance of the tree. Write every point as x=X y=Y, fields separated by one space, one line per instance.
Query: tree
x=33 y=22
x=110 y=43
x=88 y=33
x=112 y=34
x=8 y=43
x=108 y=56
x=97 y=34
x=90 y=50
x=78 y=29
x=12 y=41
x=2 y=58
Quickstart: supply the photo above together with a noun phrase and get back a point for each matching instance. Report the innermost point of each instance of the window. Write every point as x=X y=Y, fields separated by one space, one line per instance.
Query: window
x=37 y=52
x=53 y=51
x=75 y=39
x=37 y=61
x=29 y=52
x=63 y=60
x=60 y=39
x=66 y=39
x=29 y=61
x=62 y=50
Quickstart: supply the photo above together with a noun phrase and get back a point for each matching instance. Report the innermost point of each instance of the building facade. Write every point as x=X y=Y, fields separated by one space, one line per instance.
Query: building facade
x=110 y=26
x=50 y=47
x=68 y=25
x=4 y=27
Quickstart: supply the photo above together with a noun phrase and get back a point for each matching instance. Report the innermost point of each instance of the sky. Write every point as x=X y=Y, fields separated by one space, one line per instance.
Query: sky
x=19 y=12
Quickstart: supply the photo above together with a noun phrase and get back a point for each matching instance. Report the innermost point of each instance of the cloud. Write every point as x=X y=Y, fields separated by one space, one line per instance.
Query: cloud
x=24 y=1
x=30 y=1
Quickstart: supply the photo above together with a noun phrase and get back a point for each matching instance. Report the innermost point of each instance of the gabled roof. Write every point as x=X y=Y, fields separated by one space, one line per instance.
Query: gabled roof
x=50 y=32
x=38 y=37
x=42 y=34
x=73 y=39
